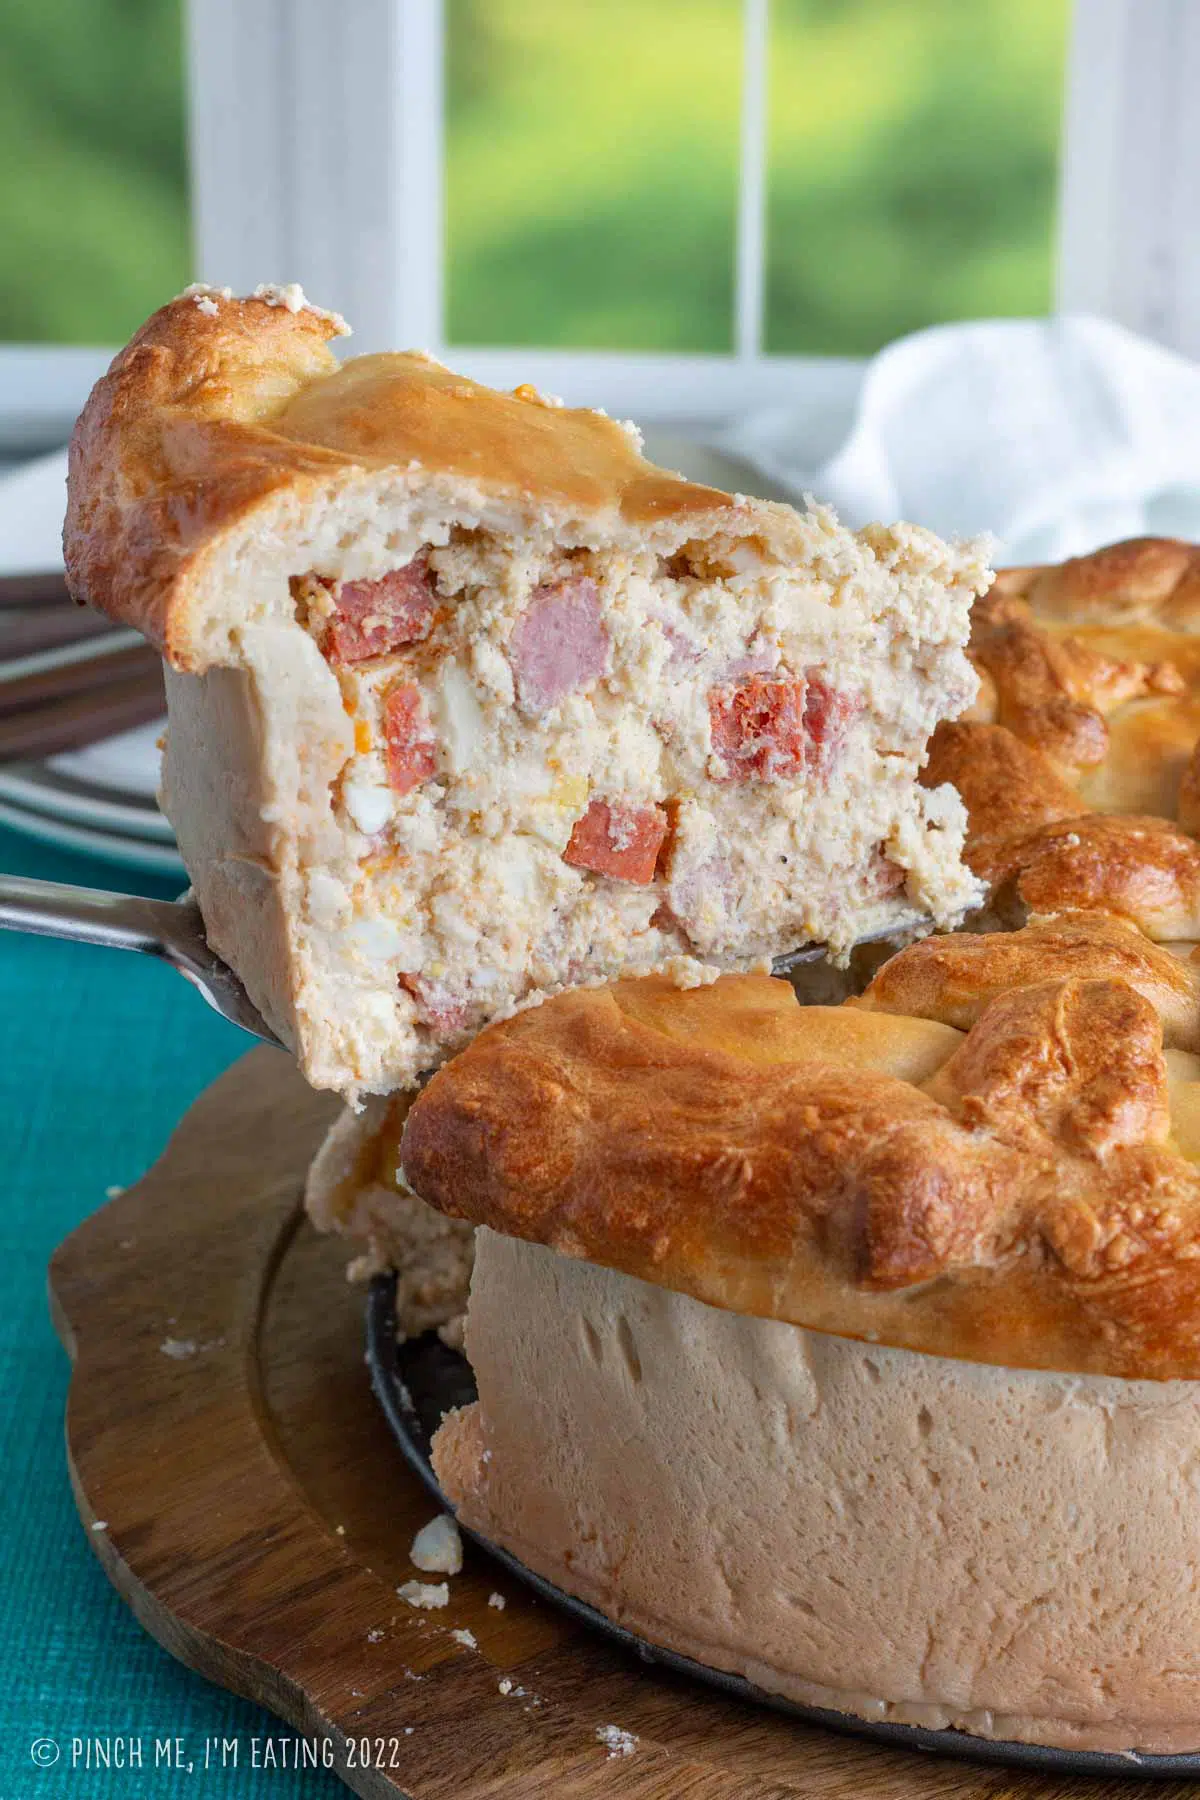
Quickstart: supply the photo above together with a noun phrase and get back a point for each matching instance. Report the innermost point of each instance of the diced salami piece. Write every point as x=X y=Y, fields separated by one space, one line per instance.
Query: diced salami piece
x=616 y=840
x=558 y=644
x=767 y=727
x=411 y=747
x=827 y=713
x=758 y=726
x=373 y=618
x=436 y=1005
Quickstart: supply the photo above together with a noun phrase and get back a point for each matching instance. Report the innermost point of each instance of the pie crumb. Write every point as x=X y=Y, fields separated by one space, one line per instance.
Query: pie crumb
x=425 y=1593
x=616 y=1741
x=437 y=1547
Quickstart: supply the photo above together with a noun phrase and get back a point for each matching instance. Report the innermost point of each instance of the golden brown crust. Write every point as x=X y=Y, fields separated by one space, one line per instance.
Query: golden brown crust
x=1145 y=870
x=955 y=978
x=1008 y=788
x=1189 y=794
x=169 y=451
x=1030 y=840
x=1089 y=703
x=1014 y=1198
x=1052 y=690
x=390 y=408
x=207 y=415
x=1140 y=580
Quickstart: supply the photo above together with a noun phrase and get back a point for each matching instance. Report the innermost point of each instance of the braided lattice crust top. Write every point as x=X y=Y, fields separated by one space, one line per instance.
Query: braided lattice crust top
x=990 y=1155
x=1078 y=760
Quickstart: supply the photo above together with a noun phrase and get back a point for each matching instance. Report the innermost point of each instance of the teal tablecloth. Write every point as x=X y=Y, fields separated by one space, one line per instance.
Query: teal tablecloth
x=100 y=1053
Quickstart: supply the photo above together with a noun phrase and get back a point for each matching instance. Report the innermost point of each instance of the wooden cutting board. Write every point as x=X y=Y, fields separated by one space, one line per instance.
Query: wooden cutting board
x=258 y=1516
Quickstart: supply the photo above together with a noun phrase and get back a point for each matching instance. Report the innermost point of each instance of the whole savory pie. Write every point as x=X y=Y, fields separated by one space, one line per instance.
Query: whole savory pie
x=469 y=702
x=854 y=1349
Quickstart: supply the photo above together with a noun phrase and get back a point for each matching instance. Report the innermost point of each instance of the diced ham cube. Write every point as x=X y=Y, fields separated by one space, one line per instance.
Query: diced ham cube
x=558 y=644
x=767 y=727
x=373 y=618
x=616 y=840
x=411 y=747
x=758 y=726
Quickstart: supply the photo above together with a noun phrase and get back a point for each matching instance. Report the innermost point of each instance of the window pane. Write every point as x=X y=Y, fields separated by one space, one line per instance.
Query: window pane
x=591 y=180
x=913 y=165
x=93 y=200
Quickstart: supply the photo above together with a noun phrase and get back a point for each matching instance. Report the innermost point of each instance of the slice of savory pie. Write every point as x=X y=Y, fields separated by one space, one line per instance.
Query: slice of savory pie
x=469 y=702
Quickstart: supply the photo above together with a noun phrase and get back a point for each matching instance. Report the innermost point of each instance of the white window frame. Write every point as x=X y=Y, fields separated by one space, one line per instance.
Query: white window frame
x=316 y=154
x=350 y=103
x=1129 y=195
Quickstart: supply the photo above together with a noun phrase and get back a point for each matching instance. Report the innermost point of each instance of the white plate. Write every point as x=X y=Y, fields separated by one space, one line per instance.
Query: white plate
x=37 y=788
x=134 y=853
x=126 y=765
x=100 y=799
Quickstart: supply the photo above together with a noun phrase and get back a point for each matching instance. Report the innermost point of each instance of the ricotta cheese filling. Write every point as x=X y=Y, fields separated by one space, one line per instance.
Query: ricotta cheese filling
x=572 y=764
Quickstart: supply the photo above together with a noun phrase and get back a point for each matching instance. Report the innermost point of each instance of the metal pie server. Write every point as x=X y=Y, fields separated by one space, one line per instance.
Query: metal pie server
x=173 y=930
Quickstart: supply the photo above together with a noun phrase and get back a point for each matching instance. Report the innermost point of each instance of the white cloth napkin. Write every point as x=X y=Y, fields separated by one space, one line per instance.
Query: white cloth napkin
x=1054 y=435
